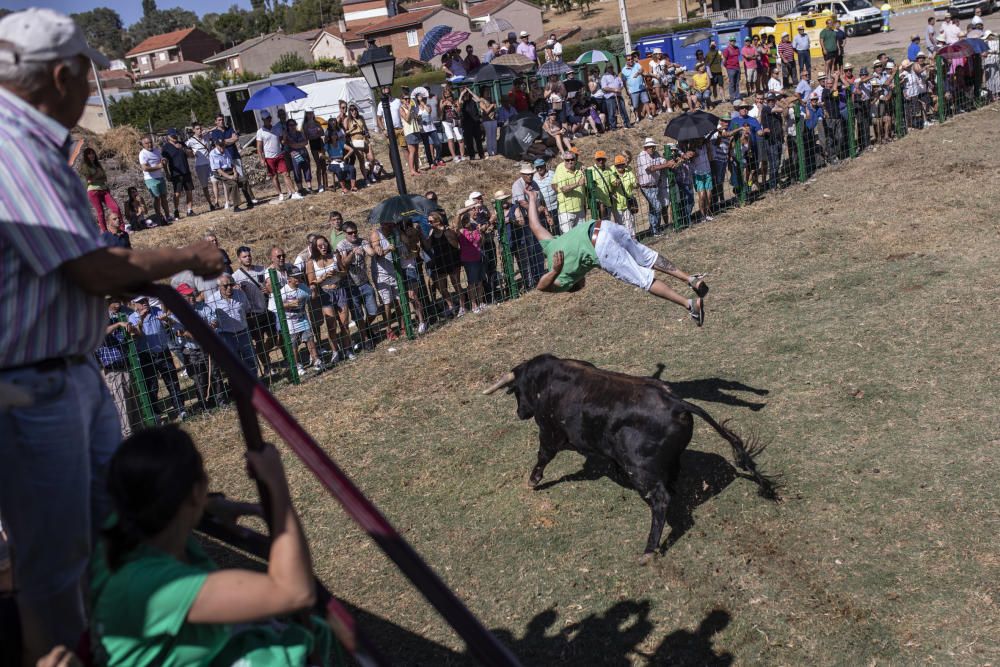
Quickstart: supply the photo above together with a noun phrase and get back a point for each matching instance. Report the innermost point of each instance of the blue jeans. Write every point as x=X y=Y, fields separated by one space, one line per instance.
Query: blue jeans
x=652 y=196
x=53 y=488
x=805 y=62
x=241 y=345
x=613 y=104
x=733 y=76
x=490 y=128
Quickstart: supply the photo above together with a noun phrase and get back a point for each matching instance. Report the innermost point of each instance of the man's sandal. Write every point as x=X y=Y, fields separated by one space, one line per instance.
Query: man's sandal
x=697 y=282
x=697 y=314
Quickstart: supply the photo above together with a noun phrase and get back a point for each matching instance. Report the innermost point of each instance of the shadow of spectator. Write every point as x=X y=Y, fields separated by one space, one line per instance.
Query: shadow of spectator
x=711 y=390
x=683 y=648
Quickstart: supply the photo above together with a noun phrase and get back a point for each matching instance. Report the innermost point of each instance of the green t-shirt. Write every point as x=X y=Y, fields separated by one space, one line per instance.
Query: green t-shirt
x=572 y=201
x=140 y=618
x=829 y=39
x=336 y=237
x=578 y=255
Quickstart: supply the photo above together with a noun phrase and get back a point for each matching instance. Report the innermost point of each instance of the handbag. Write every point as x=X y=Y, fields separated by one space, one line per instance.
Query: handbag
x=358 y=143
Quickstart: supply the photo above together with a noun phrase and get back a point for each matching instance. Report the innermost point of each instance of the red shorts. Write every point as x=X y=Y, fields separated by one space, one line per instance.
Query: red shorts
x=276 y=165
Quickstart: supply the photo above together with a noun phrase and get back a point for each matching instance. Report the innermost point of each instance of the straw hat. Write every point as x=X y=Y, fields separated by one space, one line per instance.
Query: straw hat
x=500 y=195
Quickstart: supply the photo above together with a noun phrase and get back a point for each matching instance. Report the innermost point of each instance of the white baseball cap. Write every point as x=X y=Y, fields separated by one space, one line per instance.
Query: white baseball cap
x=43 y=35
x=475 y=194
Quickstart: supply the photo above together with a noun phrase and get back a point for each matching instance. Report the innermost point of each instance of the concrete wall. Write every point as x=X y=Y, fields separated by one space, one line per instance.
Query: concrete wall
x=365 y=12
x=260 y=57
x=523 y=16
x=93 y=119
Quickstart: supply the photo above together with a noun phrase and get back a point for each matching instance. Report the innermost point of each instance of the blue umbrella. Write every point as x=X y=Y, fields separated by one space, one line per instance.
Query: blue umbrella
x=430 y=40
x=273 y=96
x=978 y=45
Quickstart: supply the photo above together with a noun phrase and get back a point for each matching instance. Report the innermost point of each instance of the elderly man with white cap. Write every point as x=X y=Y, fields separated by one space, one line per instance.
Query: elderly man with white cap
x=54 y=275
x=608 y=245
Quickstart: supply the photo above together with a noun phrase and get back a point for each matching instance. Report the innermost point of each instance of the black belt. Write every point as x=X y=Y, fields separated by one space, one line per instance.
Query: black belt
x=53 y=364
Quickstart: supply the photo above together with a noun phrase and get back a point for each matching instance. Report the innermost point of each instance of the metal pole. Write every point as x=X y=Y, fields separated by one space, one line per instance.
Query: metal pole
x=508 y=259
x=390 y=130
x=404 y=300
x=800 y=142
x=138 y=379
x=623 y=15
x=100 y=92
x=595 y=212
x=852 y=141
x=286 y=338
x=939 y=80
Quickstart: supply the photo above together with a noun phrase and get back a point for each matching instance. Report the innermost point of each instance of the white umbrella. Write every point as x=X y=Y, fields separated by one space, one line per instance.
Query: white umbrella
x=419 y=91
x=497 y=25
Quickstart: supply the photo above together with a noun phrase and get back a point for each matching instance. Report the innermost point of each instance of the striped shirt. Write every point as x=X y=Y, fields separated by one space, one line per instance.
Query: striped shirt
x=45 y=220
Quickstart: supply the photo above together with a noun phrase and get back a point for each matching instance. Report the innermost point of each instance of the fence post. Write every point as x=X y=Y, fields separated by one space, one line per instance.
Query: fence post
x=508 y=259
x=595 y=213
x=939 y=80
x=740 y=168
x=286 y=338
x=897 y=99
x=800 y=142
x=852 y=129
x=675 y=209
x=145 y=407
x=404 y=299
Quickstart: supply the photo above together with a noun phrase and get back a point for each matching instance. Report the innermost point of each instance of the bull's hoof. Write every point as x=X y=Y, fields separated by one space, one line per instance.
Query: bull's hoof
x=646 y=558
x=535 y=479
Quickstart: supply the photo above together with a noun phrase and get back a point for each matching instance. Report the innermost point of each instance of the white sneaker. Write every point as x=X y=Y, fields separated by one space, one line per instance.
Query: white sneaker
x=296 y=195
x=476 y=310
x=321 y=190
x=709 y=218
x=301 y=371
x=422 y=328
x=226 y=207
x=128 y=228
x=461 y=311
x=281 y=197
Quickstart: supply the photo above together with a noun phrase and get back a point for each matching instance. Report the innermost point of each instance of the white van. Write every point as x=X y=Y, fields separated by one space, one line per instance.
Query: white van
x=858 y=16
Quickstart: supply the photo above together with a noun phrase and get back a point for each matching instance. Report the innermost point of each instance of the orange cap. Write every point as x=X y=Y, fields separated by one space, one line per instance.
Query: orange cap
x=620 y=159
x=600 y=155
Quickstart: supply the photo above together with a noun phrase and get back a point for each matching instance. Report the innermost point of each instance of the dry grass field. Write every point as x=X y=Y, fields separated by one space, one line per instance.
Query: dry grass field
x=852 y=326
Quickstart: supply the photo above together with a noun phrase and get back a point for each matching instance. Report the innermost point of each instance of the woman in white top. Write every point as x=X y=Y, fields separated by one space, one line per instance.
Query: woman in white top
x=326 y=281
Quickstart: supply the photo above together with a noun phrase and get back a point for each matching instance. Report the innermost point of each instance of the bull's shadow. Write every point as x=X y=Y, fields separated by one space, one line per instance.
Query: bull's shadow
x=711 y=390
x=703 y=475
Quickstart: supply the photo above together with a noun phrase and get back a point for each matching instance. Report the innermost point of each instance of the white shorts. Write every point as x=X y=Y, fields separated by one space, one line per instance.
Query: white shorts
x=452 y=132
x=568 y=221
x=624 y=257
x=627 y=220
x=388 y=291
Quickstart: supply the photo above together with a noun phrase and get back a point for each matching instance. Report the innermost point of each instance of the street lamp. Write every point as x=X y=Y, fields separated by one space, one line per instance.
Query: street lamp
x=379 y=68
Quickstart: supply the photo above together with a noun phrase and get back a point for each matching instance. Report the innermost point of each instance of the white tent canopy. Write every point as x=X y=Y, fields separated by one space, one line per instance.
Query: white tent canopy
x=323 y=97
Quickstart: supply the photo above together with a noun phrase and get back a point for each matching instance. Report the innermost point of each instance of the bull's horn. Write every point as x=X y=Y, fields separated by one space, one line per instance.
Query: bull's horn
x=500 y=384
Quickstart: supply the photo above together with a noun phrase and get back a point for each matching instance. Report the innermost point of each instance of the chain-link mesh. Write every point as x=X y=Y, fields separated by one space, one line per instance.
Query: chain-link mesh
x=376 y=286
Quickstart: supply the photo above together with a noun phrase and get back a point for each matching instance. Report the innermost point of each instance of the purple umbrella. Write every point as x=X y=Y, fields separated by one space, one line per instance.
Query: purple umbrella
x=450 y=41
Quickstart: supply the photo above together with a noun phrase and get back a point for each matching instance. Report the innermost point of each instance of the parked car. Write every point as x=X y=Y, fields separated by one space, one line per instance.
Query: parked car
x=959 y=8
x=858 y=16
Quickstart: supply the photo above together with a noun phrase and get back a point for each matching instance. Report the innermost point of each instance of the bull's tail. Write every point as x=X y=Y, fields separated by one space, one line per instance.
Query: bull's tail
x=744 y=453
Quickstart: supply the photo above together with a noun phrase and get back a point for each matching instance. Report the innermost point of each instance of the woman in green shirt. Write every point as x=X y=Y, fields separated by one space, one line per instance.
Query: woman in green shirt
x=608 y=245
x=158 y=599
x=97 y=188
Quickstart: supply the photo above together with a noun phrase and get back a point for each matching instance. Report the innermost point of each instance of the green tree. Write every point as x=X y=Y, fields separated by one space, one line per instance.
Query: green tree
x=161 y=21
x=231 y=27
x=289 y=62
x=104 y=30
x=167 y=107
x=305 y=15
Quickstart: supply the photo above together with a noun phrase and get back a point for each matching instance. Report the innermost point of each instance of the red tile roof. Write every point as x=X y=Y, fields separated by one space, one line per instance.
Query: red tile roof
x=109 y=74
x=393 y=23
x=344 y=36
x=482 y=9
x=422 y=4
x=158 y=42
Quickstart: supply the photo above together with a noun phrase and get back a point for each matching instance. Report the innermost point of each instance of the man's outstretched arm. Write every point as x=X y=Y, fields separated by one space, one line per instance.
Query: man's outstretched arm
x=116 y=270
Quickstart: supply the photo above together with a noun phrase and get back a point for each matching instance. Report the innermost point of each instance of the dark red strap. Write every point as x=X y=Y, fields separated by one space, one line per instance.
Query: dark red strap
x=253 y=398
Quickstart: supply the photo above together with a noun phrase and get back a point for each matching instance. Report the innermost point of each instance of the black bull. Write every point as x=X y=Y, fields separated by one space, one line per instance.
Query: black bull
x=637 y=422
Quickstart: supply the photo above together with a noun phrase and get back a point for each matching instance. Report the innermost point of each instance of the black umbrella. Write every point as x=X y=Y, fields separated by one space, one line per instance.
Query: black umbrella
x=493 y=73
x=691 y=125
x=761 y=22
x=396 y=208
x=518 y=134
x=572 y=85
